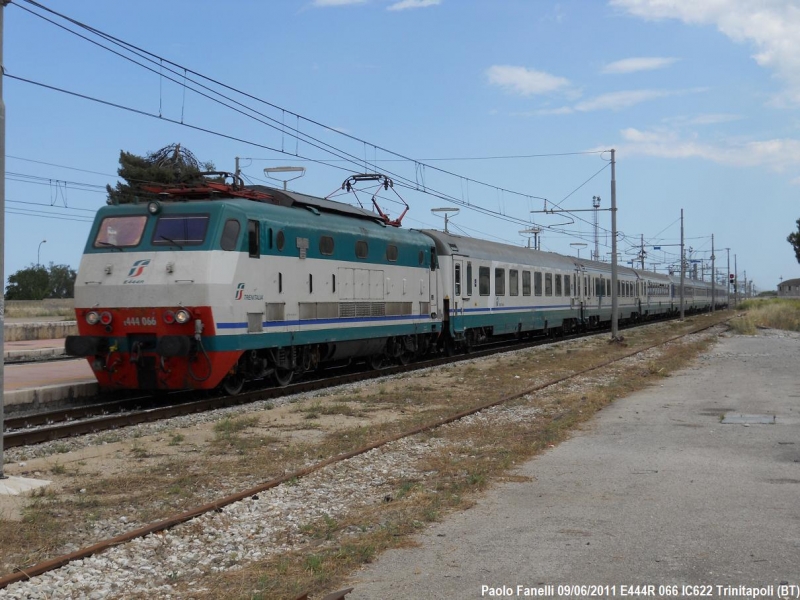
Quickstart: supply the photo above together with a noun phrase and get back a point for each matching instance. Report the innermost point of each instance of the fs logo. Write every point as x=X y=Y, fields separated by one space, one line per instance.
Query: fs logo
x=239 y=291
x=138 y=267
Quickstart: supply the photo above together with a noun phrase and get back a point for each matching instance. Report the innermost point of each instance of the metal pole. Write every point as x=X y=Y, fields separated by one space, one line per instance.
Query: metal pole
x=713 y=276
x=735 y=282
x=614 y=299
x=728 y=274
x=2 y=237
x=642 y=252
x=683 y=266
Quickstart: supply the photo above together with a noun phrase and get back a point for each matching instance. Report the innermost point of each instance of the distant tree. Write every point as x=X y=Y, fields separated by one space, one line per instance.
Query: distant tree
x=171 y=164
x=794 y=240
x=61 y=281
x=37 y=282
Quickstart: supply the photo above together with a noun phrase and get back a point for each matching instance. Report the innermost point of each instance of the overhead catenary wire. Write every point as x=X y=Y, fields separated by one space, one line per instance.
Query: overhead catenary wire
x=161 y=61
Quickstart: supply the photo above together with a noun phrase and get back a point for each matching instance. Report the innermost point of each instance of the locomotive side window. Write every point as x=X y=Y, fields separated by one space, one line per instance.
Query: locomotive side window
x=537 y=283
x=548 y=284
x=483 y=280
x=500 y=282
x=469 y=279
x=526 y=283
x=391 y=253
x=253 y=244
x=280 y=240
x=326 y=245
x=513 y=282
x=120 y=232
x=361 y=249
x=180 y=230
x=558 y=285
x=230 y=235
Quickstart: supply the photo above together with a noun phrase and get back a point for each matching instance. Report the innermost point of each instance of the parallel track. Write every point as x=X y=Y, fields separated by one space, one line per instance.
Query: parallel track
x=217 y=505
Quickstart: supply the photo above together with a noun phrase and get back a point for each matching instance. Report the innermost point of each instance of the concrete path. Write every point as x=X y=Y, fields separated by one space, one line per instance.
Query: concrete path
x=656 y=490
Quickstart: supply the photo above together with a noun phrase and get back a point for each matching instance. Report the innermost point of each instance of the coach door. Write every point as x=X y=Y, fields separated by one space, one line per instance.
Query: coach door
x=579 y=291
x=433 y=286
x=458 y=295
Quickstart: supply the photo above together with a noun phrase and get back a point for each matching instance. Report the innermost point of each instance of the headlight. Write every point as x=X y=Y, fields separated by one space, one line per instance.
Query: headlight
x=92 y=317
x=182 y=316
x=154 y=207
x=105 y=318
x=169 y=317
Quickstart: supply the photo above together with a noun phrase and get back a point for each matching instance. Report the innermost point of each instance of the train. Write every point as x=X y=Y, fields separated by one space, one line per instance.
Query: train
x=208 y=286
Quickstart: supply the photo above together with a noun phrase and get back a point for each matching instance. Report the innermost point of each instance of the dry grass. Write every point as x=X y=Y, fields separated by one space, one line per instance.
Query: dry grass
x=40 y=308
x=775 y=313
x=180 y=471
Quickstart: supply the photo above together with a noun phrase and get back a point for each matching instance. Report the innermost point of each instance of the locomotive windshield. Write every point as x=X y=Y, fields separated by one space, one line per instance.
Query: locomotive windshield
x=180 y=230
x=120 y=232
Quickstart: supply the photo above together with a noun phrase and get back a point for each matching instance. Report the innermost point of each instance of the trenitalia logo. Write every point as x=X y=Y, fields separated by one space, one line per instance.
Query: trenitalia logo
x=138 y=267
x=239 y=291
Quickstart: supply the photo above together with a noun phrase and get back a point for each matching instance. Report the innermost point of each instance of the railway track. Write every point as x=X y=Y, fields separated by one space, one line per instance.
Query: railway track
x=105 y=415
x=293 y=476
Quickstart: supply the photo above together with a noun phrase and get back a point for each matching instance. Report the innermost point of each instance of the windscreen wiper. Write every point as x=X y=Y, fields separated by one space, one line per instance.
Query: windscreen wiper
x=114 y=246
x=171 y=241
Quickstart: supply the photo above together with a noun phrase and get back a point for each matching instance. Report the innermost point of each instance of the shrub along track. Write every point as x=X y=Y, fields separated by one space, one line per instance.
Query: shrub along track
x=161 y=525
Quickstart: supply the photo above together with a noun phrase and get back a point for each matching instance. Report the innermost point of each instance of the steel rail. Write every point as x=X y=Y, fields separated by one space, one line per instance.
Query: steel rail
x=218 y=505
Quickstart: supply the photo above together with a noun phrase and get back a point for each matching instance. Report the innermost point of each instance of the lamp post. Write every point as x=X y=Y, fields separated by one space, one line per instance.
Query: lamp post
x=39 y=250
x=578 y=245
x=269 y=170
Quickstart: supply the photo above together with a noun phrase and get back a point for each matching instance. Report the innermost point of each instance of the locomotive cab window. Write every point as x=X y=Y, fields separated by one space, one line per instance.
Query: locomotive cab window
x=230 y=235
x=120 y=232
x=180 y=230
x=253 y=246
x=326 y=245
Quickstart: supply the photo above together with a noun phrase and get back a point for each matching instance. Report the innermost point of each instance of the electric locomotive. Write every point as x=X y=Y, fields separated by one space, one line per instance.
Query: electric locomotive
x=192 y=293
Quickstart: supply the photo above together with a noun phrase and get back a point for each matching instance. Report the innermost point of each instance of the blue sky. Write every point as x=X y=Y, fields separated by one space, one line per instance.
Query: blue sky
x=699 y=99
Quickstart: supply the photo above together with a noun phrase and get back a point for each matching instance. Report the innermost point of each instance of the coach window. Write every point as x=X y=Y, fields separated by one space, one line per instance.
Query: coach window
x=513 y=282
x=586 y=286
x=537 y=283
x=280 y=240
x=326 y=245
x=391 y=253
x=499 y=282
x=457 y=279
x=120 y=232
x=526 y=283
x=230 y=234
x=252 y=239
x=566 y=285
x=548 y=284
x=558 y=285
x=469 y=279
x=483 y=281
x=361 y=249
x=608 y=287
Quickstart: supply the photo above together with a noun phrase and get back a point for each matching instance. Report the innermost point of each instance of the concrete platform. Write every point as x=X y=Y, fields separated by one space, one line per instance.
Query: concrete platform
x=38 y=330
x=34 y=385
x=32 y=350
x=656 y=491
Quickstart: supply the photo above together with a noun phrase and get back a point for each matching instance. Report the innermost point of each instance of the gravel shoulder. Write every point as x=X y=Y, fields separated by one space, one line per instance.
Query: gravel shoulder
x=655 y=489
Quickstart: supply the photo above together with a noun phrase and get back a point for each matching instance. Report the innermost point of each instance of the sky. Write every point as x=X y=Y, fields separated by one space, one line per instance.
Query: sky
x=499 y=108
